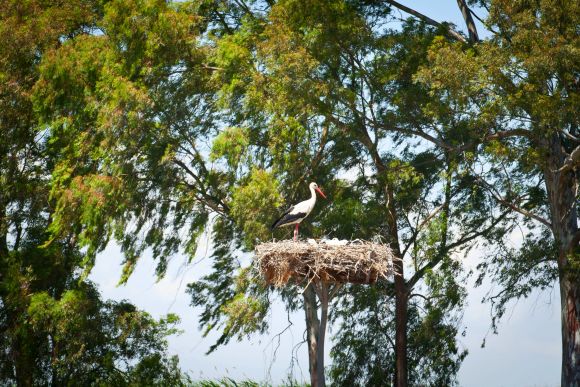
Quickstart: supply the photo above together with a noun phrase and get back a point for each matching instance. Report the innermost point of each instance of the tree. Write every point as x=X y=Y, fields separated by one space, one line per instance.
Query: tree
x=503 y=93
x=129 y=110
x=54 y=328
x=519 y=90
x=325 y=86
x=311 y=90
x=83 y=340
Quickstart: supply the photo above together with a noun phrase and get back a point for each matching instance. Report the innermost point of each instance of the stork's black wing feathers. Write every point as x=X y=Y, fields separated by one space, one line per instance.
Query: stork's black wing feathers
x=289 y=218
x=281 y=220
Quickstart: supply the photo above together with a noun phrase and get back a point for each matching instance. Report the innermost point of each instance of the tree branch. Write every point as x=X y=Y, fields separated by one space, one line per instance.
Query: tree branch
x=509 y=133
x=465 y=239
x=571 y=162
x=574 y=242
x=508 y=204
x=210 y=200
x=468 y=238
x=334 y=290
x=419 y=227
x=466 y=12
x=428 y=20
x=428 y=299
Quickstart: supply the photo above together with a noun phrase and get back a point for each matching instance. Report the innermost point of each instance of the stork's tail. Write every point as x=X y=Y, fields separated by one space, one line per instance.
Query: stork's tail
x=275 y=224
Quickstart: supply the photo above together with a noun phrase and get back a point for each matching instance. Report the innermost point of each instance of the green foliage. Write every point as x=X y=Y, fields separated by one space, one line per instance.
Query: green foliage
x=230 y=144
x=149 y=122
x=519 y=271
x=54 y=328
x=306 y=100
x=346 y=214
x=123 y=162
x=90 y=341
x=253 y=203
x=363 y=346
x=509 y=87
x=245 y=315
x=157 y=370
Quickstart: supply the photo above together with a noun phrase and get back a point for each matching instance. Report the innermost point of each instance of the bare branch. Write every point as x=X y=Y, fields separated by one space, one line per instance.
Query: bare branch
x=468 y=238
x=511 y=205
x=570 y=136
x=428 y=20
x=461 y=241
x=509 y=133
x=430 y=216
x=201 y=191
x=477 y=17
x=213 y=68
x=420 y=226
x=572 y=161
x=466 y=12
x=334 y=290
x=428 y=299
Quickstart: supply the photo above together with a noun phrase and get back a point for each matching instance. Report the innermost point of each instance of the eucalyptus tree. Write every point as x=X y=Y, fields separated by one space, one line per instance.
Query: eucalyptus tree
x=330 y=85
x=132 y=113
x=518 y=91
x=512 y=100
x=54 y=327
x=310 y=90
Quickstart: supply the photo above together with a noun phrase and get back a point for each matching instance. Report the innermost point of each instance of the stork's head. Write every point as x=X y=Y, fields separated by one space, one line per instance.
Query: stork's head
x=314 y=186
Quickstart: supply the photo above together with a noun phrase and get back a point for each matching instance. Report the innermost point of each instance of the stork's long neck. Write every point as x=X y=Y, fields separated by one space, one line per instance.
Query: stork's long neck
x=313 y=195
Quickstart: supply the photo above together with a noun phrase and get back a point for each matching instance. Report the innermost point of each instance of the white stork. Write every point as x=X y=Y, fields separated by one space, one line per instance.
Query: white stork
x=297 y=213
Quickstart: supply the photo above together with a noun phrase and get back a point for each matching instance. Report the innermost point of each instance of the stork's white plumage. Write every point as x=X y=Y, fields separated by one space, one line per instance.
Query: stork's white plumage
x=297 y=213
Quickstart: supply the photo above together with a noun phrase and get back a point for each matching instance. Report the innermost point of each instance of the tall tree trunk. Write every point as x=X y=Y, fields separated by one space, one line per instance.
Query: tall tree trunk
x=401 y=288
x=23 y=360
x=3 y=231
x=401 y=294
x=312 y=333
x=561 y=187
x=570 y=301
x=401 y=309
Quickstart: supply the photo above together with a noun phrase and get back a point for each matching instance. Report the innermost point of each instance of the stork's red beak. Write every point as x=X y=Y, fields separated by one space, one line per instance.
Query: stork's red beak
x=321 y=193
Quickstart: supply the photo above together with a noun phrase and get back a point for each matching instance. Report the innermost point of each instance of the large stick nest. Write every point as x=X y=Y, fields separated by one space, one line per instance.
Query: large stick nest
x=358 y=262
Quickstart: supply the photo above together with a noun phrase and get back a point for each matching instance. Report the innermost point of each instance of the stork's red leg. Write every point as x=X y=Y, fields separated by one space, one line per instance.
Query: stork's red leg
x=296 y=232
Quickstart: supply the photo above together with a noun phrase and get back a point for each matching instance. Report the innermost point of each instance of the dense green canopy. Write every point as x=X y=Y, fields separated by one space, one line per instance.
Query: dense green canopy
x=54 y=327
x=146 y=122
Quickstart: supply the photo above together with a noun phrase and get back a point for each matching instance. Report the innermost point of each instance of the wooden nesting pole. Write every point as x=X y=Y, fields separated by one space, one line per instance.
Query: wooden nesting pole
x=322 y=268
x=316 y=327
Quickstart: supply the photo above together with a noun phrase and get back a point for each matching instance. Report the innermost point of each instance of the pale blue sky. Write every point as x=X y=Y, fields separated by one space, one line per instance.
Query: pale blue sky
x=525 y=353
